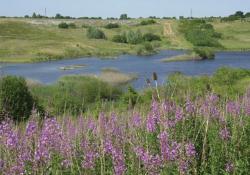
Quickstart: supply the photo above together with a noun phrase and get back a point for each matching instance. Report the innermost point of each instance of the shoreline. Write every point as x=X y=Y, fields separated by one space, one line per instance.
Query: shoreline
x=115 y=56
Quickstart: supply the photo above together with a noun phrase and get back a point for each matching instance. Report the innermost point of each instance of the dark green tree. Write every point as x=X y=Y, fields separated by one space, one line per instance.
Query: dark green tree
x=124 y=16
x=15 y=98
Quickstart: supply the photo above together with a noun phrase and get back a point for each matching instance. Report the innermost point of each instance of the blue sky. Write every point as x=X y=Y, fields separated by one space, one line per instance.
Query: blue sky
x=134 y=8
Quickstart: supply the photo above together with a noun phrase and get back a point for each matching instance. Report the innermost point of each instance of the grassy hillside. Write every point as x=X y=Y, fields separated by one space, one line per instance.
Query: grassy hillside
x=236 y=35
x=26 y=40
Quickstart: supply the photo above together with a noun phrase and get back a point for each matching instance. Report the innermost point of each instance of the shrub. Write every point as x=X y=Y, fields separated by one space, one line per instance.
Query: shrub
x=151 y=37
x=63 y=25
x=148 y=22
x=120 y=38
x=86 y=26
x=204 y=53
x=111 y=26
x=72 y=25
x=94 y=33
x=145 y=49
x=134 y=37
x=15 y=98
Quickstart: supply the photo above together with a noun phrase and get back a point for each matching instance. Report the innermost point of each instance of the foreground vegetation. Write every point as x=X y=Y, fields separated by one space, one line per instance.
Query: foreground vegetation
x=32 y=39
x=195 y=125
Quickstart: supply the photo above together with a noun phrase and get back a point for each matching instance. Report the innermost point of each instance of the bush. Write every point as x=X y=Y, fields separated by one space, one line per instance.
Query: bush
x=145 y=49
x=204 y=53
x=15 y=98
x=151 y=37
x=120 y=38
x=63 y=25
x=94 y=33
x=72 y=25
x=148 y=22
x=134 y=37
x=112 y=26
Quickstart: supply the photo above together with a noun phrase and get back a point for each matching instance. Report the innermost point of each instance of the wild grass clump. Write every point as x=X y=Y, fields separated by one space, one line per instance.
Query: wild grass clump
x=63 y=25
x=115 y=77
x=111 y=26
x=74 y=94
x=95 y=33
x=145 y=49
x=204 y=53
x=135 y=37
x=147 y=22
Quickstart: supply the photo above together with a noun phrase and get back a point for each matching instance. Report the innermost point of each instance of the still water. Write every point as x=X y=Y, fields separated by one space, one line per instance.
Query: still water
x=143 y=66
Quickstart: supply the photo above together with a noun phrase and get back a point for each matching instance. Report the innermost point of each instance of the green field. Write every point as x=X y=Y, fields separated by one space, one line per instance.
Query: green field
x=30 y=40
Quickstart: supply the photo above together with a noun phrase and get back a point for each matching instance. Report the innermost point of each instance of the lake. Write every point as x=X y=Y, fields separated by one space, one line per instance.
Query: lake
x=143 y=66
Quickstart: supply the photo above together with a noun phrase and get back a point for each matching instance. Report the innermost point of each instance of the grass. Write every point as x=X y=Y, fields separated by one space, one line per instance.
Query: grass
x=32 y=40
x=185 y=57
x=115 y=77
x=236 y=34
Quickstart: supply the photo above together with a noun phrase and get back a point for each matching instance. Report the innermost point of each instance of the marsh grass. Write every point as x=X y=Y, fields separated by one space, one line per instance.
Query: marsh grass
x=185 y=57
x=115 y=77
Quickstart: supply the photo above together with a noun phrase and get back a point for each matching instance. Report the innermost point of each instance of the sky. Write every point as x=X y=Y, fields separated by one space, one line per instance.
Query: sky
x=134 y=8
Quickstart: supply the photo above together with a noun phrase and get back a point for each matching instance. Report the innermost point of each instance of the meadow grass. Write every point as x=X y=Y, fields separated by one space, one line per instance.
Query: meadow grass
x=235 y=34
x=29 y=40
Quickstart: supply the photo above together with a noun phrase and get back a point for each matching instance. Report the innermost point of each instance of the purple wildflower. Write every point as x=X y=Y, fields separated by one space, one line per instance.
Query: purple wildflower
x=229 y=167
x=118 y=161
x=136 y=120
x=151 y=123
x=190 y=108
x=1 y=164
x=151 y=162
x=174 y=151
x=183 y=166
x=190 y=150
x=31 y=128
x=178 y=114
x=164 y=145
x=89 y=159
x=233 y=108
x=224 y=134
x=12 y=140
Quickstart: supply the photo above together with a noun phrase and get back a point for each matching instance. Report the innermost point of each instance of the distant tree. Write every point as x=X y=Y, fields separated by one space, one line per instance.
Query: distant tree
x=247 y=15
x=26 y=16
x=58 y=16
x=34 y=15
x=181 y=17
x=239 y=14
x=123 y=16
